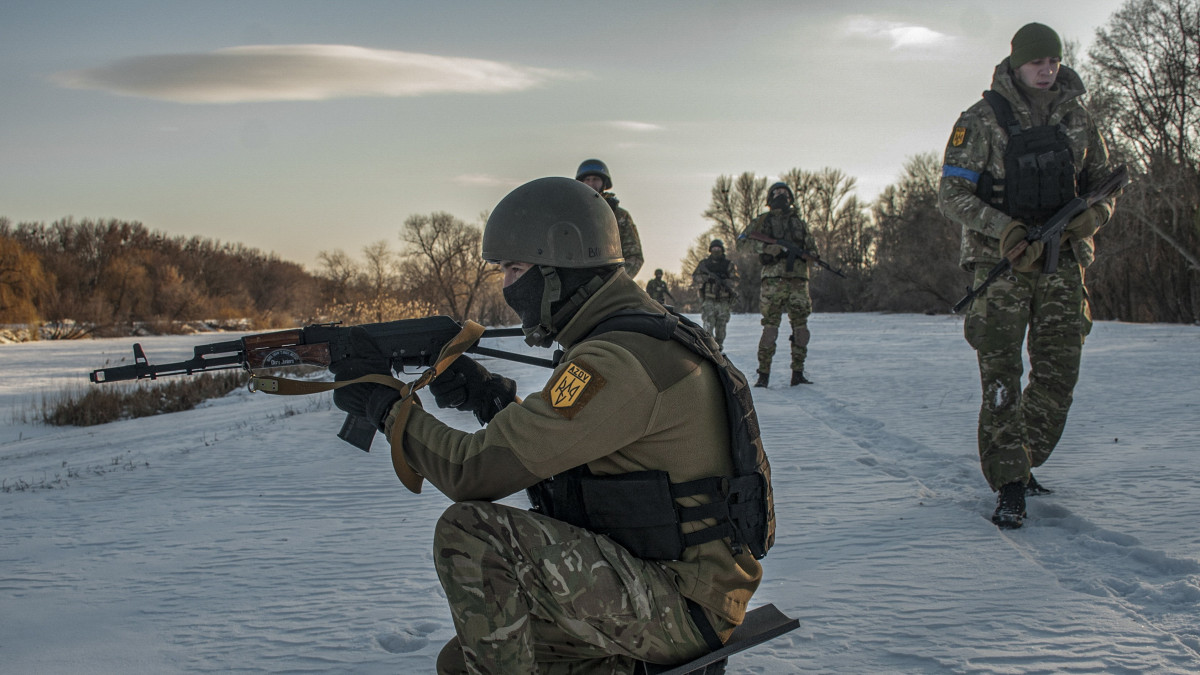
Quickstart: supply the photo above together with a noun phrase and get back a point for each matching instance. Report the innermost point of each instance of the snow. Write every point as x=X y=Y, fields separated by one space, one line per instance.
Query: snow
x=244 y=537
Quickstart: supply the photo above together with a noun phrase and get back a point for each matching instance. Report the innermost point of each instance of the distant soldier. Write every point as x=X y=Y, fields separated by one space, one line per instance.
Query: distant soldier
x=715 y=277
x=1014 y=158
x=784 y=281
x=594 y=174
x=657 y=288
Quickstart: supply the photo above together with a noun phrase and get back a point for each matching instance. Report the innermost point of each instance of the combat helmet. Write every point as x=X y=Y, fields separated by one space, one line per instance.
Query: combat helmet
x=780 y=184
x=569 y=233
x=553 y=221
x=594 y=167
x=716 y=243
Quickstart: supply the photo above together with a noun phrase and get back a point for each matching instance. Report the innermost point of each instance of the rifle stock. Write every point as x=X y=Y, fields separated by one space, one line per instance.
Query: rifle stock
x=408 y=343
x=1050 y=234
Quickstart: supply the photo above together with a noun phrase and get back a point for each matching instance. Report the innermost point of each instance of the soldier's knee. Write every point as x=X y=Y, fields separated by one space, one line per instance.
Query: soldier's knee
x=769 y=334
x=456 y=523
x=450 y=660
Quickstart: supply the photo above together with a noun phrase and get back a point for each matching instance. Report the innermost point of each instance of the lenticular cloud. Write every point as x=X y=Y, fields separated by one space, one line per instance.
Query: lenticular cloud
x=302 y=73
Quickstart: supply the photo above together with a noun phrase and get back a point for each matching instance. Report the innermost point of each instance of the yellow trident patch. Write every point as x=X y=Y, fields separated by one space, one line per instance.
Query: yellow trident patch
x=960 y=135
x=573 y=389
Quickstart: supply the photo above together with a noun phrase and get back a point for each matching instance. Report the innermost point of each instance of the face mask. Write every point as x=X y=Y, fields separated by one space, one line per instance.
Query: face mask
x=779 y=201
x=525 y=297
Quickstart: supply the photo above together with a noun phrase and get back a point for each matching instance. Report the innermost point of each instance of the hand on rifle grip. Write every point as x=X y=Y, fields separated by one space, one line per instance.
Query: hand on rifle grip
x=1022 y=254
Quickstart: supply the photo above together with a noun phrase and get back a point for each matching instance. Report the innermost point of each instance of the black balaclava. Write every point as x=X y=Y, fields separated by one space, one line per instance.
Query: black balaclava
x=547 y=297
x=779 y=202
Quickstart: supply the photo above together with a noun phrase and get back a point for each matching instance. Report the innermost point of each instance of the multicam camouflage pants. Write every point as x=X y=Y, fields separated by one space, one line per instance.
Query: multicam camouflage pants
x=776 y=297
x=715 y=316
x=1018 y=429
x=530 y=594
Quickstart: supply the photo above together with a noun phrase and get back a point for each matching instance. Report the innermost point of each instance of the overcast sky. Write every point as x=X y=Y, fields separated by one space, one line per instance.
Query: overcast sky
x=300 y=127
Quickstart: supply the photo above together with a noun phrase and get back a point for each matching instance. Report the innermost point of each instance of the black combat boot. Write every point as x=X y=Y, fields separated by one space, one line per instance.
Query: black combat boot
x=763 y=379
x=1010 y=506
x=1035 y=489
x=798 y=378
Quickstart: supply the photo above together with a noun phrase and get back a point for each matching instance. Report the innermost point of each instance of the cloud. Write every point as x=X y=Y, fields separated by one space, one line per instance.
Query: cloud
x=627 y=125
x=485 y=180
x=902 y=36
x=303 y=73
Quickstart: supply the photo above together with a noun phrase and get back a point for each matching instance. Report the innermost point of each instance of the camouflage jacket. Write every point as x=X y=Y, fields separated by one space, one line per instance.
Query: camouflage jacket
x=620 y=403
x=658 y=289
x=977 y=145
x=788 y=225
x=631 y=243
x=715 y=278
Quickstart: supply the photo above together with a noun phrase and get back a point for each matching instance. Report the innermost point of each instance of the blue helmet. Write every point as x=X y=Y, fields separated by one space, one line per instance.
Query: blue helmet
x=594 y=167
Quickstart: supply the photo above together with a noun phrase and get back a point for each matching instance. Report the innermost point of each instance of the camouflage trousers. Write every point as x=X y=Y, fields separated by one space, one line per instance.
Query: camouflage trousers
x=530 y=594
x=777 y=296
x=715 y=316
x=1019 y=429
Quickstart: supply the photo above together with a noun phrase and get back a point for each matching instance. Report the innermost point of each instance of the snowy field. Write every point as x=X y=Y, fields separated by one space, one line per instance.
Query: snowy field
x=245 y=537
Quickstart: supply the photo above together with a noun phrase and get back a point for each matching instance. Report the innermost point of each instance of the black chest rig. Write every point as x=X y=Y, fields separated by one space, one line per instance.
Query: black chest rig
x=1039 y=168
x=638 y=510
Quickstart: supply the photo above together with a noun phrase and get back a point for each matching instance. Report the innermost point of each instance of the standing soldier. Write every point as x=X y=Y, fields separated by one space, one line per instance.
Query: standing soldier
x=1013 y=159
x=715 y=276
x=631 y=436
x=657 y=288
x=784 y=281
x=594 y=174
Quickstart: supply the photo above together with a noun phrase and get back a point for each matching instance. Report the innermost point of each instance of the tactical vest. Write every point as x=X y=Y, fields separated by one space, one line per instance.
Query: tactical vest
x=713 y=289
x=638 y=510
x=1039 y=168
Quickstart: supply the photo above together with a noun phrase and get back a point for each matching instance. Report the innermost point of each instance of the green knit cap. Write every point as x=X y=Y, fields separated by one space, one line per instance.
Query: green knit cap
x=1034 y=41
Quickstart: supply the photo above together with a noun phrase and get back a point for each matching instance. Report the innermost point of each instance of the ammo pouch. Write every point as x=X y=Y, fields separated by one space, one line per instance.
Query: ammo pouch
x=638 y=510
x=1039 y=168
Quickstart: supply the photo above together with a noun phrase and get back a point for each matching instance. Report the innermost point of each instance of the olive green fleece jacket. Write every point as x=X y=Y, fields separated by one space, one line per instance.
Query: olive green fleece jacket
x=647 y=404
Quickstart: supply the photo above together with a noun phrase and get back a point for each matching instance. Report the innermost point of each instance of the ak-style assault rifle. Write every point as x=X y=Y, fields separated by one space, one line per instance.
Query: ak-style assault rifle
x=1050 y=234
x=793 y=251
x=408 y=343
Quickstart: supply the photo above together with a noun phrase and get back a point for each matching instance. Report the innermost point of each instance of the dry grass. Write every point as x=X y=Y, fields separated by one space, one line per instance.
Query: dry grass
x=98 y=404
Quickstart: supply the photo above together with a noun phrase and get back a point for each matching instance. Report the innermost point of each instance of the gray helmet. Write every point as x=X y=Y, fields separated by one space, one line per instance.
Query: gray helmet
x=717 y=243
x=594 y=167
x=553 y=221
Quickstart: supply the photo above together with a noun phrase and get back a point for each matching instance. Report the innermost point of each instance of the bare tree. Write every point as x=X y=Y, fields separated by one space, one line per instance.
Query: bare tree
x=443 y=265
x=916 y=259
x=1145 y=64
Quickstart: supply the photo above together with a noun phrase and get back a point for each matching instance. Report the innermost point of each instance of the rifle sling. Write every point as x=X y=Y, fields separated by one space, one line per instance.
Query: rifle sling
x=469 y=335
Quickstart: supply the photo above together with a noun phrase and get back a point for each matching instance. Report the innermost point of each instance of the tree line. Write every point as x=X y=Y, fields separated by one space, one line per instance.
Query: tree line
x=113 y=277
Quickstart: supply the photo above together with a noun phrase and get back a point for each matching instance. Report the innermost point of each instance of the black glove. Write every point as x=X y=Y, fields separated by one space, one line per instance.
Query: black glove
x=368 y=400
x=466 y=385
x=766 y=258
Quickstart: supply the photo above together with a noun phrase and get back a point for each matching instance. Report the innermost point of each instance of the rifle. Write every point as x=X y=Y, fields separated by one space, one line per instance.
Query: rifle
x=1049 y=234
x=793 y=251
x=408 y=343
x=720 y=281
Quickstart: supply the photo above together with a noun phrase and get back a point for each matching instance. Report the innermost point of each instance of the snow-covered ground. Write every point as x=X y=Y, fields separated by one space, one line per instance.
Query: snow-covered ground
x=244 y=537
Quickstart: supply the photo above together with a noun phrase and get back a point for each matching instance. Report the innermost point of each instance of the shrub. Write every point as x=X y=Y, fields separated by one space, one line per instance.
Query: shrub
x=100 y=404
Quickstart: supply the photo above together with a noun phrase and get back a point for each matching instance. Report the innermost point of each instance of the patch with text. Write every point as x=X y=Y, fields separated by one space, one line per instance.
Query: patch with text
x=574 y=387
